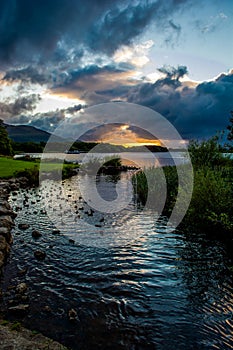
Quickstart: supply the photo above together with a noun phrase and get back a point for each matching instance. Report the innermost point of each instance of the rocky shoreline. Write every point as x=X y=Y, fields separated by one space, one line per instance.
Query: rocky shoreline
x=7 y=215
x=9 y=337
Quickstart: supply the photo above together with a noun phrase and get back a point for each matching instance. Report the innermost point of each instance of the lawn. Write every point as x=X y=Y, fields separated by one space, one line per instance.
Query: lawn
x=9 y=166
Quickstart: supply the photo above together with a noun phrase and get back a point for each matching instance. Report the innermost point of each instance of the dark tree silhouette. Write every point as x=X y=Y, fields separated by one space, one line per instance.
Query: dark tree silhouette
x=230 y=128
x=5 y=142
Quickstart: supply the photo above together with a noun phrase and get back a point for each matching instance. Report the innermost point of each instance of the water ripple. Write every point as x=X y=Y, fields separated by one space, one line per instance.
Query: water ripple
x=161 y=291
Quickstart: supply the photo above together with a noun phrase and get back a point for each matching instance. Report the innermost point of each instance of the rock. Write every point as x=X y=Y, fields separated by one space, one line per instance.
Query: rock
x=23 y=271
x=14 y=187
x=72 y=315
x=39 y=255
x=36 y=234
x=2 y=259
x=71 y=241
x=11 y=287
x=47 y=308
x=22 y=181
x=4 y=246
x=4 y=203
x=21 y=288
x=6 y=221
x=24 y=298
x=13 y=214
x=19 y=309
x=23 y=339
x=5 y=211
x=56 y=232
x=23 y=226
x=5 y=232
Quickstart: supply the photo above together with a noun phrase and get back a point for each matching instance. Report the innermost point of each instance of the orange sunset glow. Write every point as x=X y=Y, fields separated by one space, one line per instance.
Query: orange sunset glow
x=124 y=134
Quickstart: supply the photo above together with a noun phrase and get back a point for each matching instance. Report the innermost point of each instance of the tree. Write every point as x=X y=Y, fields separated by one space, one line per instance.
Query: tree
x=230 y=128
x=5 y=142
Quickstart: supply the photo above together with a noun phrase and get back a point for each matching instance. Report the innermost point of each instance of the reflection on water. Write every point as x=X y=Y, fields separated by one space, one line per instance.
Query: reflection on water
x=160 y=291
x=142 y=159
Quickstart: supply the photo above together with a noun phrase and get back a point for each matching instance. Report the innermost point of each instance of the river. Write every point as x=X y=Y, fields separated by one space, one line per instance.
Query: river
x=159 y=291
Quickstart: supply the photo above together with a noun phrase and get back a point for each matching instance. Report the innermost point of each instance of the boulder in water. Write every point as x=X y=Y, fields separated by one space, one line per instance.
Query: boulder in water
x=36 y=234
x=39 y=255
x=23 y=226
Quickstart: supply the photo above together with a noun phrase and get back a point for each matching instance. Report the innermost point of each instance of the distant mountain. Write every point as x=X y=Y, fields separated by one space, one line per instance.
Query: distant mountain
x=24 y=133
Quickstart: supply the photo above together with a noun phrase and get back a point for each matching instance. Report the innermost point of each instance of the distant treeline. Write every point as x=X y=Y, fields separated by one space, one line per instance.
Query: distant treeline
x=34 y=147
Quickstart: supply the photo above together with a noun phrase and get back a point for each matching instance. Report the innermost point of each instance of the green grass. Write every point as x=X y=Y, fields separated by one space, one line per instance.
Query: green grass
x=9 y=166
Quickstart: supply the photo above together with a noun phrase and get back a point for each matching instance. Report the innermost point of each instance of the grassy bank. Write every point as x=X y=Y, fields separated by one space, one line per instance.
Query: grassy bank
x=211 y=207
x=10 y=167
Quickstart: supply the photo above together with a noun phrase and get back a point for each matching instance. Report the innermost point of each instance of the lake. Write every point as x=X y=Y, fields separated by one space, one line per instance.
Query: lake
x=158 y=290
x=143 y=159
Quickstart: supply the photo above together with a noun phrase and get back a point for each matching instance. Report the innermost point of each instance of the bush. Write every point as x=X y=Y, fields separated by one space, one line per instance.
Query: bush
x=31 y=174
x=153 y=175
x=211 y=207
x=97 y=164
x=206 y=153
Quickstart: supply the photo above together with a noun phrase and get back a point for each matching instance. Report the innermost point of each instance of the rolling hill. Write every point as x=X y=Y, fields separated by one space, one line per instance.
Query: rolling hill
x=24 y=133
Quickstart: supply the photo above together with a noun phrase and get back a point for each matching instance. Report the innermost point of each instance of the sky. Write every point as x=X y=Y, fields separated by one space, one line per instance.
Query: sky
x=59 y=57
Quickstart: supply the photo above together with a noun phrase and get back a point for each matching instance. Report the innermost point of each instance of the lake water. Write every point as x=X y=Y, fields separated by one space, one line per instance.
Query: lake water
x=143 y=159
x=159 y=291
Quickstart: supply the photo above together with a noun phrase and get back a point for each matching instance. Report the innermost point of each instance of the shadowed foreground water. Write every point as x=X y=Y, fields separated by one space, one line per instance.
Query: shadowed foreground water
x=160 y=291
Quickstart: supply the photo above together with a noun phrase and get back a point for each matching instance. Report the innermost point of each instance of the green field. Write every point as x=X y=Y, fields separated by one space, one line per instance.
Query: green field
x=9 y=166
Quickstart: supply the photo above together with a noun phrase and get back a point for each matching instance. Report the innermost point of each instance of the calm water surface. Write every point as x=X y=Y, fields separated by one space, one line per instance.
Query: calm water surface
x=160 y=291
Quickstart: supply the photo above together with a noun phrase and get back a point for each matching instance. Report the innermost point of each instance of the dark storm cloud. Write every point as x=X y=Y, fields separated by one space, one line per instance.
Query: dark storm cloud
x=172 y=75
x=87 y=73
x=196 y=111
x=74 y=109
x=28 y=74
x=32 y=31
x=19 y=106
x=121 y=26
x=95 y=84
x=45 y=121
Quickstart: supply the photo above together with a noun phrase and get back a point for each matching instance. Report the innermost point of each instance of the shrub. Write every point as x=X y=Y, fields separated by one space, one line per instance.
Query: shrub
x=211 y=207
x=206 y=153
x=31 y=174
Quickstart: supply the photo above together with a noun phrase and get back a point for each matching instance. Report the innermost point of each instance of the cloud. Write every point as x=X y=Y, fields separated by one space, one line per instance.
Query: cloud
x=198 y=110
x=34 y=31
x=95 y=84
x=172 y=73
x=45 y=121
x=135 y=54
x=21 y=105
x=210 y=26
x=26 y=75
x=119 y=134
x=74 y=109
